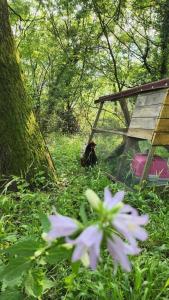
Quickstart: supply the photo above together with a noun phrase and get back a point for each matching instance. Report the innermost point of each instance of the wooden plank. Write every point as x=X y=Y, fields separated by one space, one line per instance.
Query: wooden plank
x=118 y=132
x=155 y=124
x=147 y=111
x=162 y=125
x=140 y=133
x=167 y=99
x=152 y=98
x=143 y=123
x=164 y=111
x=160 y=139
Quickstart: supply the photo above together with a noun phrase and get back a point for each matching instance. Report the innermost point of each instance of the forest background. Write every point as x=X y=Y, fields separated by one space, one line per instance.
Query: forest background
x=70 y=53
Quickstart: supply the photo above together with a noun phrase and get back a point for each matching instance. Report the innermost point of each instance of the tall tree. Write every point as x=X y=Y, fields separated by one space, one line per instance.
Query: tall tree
x=22 y=148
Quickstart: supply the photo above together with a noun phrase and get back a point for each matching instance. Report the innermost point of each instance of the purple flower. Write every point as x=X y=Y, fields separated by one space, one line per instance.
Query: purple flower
x=114 y=216
x=87 y=246
x=60 y=227
x=119 y=250
x=126 y=221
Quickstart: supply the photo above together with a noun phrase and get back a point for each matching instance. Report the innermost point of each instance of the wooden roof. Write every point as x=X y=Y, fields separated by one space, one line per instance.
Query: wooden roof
x=160 y=84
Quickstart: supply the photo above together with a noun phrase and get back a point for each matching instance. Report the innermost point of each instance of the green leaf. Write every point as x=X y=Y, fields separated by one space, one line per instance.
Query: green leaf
x=11 y=295
x=2 y=266
x=45 y=222
x=34 y=283
x=48 y=284
x=75 y=267
x=82 y=213
x=24 y=248
x=138 y=278
x=14 y=270
x=167 y=283
x=57 y=254
x=12 y=283
x=11 y=238
x=69 y=280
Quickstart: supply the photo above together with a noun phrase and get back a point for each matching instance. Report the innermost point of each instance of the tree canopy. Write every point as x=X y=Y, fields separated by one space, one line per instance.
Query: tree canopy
x=75 y=51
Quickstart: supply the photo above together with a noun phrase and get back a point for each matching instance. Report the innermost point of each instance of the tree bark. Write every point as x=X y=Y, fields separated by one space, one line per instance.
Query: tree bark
x=22 y=147
x=164 y=35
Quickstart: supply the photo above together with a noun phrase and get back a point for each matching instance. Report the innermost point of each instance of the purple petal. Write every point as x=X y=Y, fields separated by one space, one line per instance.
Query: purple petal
x=60 y=227
x=141 y=220
x=132 y=249
x=129 y=226
x=93 y=255
x=78 y=252
x=109 y=201
x=140 y=234
x=91 y=235
x=88 y=241
x=117 y=251
x=121 y=227
x=129 y=209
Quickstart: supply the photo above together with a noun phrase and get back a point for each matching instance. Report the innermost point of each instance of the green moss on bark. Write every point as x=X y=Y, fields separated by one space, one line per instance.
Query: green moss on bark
x=22 y=148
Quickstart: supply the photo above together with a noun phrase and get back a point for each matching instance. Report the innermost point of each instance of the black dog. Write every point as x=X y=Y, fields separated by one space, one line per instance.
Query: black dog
x=89 y=158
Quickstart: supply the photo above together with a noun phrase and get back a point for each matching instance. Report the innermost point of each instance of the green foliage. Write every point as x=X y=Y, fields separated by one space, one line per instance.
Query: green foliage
x=12 y=295
x=30 y=270
x=74 y=52
x=12 y=273
x=36 y=283
x=57 y=254
x=71 y=53
x=25 y=248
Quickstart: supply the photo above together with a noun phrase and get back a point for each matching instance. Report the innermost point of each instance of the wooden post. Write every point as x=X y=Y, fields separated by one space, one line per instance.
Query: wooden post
x=147 y=164
x=95 y=122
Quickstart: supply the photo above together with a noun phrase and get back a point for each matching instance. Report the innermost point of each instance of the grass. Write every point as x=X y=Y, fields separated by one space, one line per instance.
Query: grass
x=20 y=218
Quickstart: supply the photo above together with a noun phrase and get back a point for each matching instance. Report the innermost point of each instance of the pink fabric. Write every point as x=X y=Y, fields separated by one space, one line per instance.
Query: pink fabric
x=158 y=167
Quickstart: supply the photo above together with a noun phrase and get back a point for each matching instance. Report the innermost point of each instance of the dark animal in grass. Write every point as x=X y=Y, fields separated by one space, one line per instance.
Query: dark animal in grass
x=89 y=157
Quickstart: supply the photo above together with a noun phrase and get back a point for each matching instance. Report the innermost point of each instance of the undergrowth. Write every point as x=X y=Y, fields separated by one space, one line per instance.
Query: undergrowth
x=20 y=218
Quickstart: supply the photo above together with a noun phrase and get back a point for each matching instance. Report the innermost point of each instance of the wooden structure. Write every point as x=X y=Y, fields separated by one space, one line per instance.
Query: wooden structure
x=149 y=121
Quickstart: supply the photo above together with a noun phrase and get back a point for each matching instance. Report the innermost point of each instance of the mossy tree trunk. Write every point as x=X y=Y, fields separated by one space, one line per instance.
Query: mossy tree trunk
x=22 y=148
x=164 y=35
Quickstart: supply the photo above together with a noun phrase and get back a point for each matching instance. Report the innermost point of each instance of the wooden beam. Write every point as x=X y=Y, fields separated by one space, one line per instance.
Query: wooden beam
x=145 y=134
x=161 y=84
x=112 y=131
